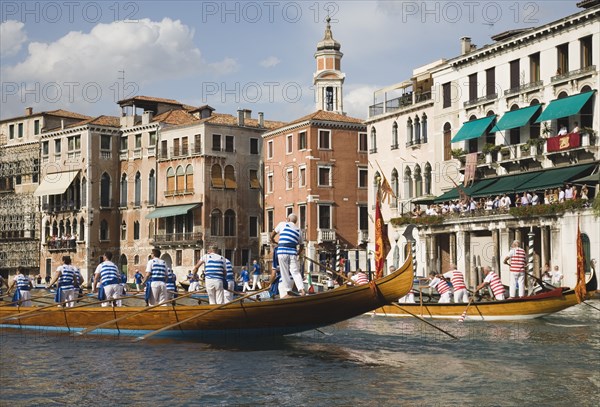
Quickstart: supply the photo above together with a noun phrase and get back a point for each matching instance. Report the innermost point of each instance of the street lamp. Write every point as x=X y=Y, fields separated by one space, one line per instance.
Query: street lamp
x=369 y=264
x=396 y=251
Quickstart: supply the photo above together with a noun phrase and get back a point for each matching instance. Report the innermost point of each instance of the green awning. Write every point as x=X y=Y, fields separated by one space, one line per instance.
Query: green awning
x=554 y=178
x=508 y=184
x=453 y=194
x=517 y=118
x=447 y=196
x=166 y=211
x=473 y=129
x=565 y=107
x=590 y=178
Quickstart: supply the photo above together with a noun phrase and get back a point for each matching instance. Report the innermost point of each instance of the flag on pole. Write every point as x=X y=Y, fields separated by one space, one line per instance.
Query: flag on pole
x=382 y=242
x=580 y=290
x=470 y=167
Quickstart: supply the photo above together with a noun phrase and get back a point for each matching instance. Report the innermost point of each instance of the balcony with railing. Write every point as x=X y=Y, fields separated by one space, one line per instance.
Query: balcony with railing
x=169 y=239
x=392 y=105
x=528 y=87
x=181 y=152
x=481 y=100
x=575 y=74
x=61 y=245
x=62 y=207
x=178 y=192
x=326 y=235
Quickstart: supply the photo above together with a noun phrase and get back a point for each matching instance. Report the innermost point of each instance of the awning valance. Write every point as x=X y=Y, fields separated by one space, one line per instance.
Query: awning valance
x=473 y=129
x=517 y=118
x=167 y=211
x=56 y=183
x=555 y=178
x=565 y=107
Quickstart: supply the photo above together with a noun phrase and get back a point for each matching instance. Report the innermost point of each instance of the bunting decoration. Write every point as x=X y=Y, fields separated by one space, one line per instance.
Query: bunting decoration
x=470 y=167
x=580 y=290
x=382 y=241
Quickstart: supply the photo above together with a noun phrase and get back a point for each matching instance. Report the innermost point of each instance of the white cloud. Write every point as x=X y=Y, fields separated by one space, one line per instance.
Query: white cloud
x=270 y=62
x=357 y=100
x=148 y=51
x=12 y=37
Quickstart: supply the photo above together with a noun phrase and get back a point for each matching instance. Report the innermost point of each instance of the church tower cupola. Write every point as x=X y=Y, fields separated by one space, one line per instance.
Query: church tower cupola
x=328 y=79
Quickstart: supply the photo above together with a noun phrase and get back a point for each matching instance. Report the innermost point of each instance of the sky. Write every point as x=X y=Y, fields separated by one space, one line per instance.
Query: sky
x=258 y=55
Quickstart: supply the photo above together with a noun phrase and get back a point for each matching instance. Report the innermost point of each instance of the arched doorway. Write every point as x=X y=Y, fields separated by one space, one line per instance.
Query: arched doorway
x=167 y=259
x=123 y=265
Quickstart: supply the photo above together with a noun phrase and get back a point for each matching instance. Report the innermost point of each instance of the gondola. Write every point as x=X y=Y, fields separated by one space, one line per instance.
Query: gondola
x=239 y=319
x=531 y=307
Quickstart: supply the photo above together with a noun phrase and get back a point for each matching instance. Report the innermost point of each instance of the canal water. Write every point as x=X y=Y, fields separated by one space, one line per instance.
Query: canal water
x=367 y=361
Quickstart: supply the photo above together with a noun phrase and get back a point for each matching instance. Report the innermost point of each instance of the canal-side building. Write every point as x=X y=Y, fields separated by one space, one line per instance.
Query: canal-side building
x=316 y=167
x=496 y=118
x=20 y=231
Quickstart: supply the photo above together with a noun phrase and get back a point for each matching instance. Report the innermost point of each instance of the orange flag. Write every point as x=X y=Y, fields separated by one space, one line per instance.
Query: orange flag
x=382 y=242
x=580 y=290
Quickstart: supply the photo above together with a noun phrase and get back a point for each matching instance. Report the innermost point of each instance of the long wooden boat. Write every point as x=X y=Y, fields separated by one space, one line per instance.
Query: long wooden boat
x=237 y=319
x=531 y=307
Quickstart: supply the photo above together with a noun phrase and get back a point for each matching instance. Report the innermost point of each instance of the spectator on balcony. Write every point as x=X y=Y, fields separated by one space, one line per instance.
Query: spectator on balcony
x=548 y=197
x=496 y=203
x=561 y=195
x=575 y=193
x=417 y=212
x=524 y=200
x=568 y=192
x=535 y=199
x=575 y=128
x=505 y=202
x=563 y=131
x=584 y=193
x=489 y=204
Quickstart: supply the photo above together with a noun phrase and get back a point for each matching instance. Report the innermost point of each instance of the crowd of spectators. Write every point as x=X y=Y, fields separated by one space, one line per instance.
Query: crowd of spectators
x=66 y=241
x=502 y=203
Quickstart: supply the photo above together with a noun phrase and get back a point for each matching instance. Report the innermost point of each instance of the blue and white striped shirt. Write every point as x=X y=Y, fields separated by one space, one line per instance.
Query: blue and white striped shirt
x=66 y=281
x=22 y=282
x=109 y=273
x=229 y=270
x=214 y=266
x=158 y=268
x=171 y=278
x=289 y=238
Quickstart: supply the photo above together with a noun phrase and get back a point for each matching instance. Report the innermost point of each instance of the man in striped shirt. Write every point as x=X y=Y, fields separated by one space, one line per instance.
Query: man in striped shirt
x=457 y=278
x=289 y=247
x=215 y=275
x=23 y=290
x=156 y=276
x=442 y=287
x=494 y=282
x=107 y=274
x=517 y=260
x=67 y=280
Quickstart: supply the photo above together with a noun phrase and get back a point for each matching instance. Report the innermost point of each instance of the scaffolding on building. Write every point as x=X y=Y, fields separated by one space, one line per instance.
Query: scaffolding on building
x=19 y=220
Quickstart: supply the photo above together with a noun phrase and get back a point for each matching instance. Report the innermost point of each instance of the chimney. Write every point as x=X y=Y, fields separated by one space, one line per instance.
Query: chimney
x=465 y=45
x=28 y=111
x=247 y=114
x=147 y=117
x=240 y=113
x=261 y=119
x=62 y=123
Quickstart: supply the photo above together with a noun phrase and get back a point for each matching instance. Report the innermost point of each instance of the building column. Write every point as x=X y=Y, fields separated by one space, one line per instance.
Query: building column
x=497 y=249
x=545 y=255
x=463 y=255
x=504 y=245
x=452 y=244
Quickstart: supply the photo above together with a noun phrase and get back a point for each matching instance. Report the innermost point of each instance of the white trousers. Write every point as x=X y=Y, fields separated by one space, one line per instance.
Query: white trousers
x=67 y=295
x=408 y=298
x=25 y=299
x=461 y=295
x=194 y=286
x=514 y=279
x=246 y=286
x=255 y=280
x=112 y=292
x=229 y=294
x=158 y=292
x=290 y=274
x=214 y=289
x=444 y=298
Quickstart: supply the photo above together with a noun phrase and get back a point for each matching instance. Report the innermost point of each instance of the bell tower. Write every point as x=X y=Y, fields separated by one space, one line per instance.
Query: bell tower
x=328 y=79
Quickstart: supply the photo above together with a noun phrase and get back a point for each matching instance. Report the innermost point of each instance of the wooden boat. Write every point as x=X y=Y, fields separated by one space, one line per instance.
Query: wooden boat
x=237 y=319
x=534 y=306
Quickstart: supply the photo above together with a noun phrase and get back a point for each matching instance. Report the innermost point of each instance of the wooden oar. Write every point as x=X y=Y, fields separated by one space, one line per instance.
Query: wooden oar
x=112 y=321
x=21 y=315
x=29 y=299
x=427 y=322
x=75 y=306
x=164 y=328
x=464 y=314
x=541 y=282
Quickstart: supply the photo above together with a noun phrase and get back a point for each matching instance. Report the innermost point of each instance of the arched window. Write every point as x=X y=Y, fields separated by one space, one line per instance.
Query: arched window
x=395 y=185
x=424 y=128
x=394 y=136
x=61 y=228
x=215 y=222
x=104 y=235
x=138 y=189
x=170 y=180
x=180 y=181
x=123 y=201
x=376 y=180
x=123 y=263
x=229 y=223
x=81 y=229
x=373 y=140
x=54 y=229
x=408 y=186
x=47 y=231
x=417 y=126
x=68 y=227
x=427 y=178
x=447 y=141
x=74 y=230
x=409 y=132
x=216 y=176
x=105 y=190
x=123 y=231
x=152 y=188
x=189 y=178
x=136 y=230
x=83 y=192
x=230 y=182
x=418 y=181
x=136 y=259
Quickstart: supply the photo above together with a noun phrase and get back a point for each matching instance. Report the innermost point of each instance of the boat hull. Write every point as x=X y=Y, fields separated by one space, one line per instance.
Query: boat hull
x=507 y=310
x=260 y=318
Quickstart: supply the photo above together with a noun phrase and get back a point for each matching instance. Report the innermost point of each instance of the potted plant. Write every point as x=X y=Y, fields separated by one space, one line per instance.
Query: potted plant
x=458 y=153
x=547 y=130
x=533 y=146
x=489 y=149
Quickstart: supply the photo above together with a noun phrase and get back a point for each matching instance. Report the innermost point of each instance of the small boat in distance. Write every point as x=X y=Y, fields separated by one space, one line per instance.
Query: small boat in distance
x=238 y=319
x=531 y=307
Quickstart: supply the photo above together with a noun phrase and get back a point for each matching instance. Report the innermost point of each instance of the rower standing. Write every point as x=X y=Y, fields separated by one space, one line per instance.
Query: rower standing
x=23 y=289
x=67 y=280
x=107 y=274
x=156 y=276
